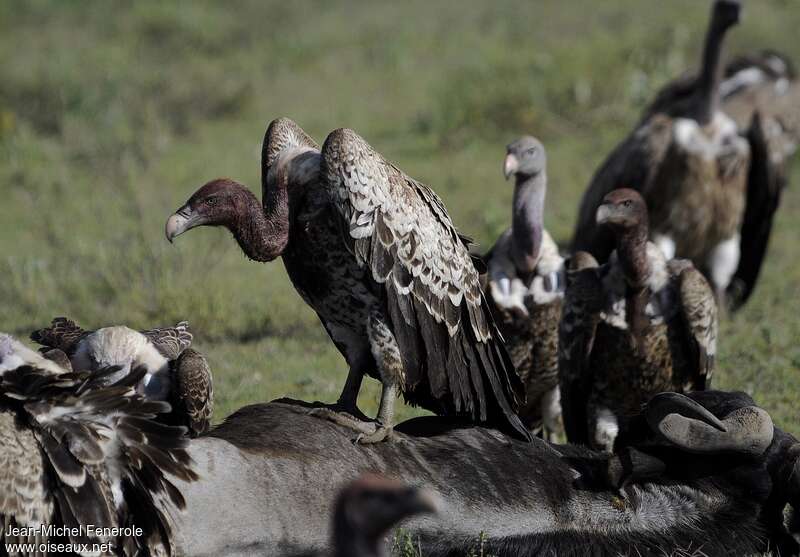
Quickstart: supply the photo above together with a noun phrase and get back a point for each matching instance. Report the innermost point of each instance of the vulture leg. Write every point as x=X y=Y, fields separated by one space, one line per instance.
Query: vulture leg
x=386 y=352
x=722 y=264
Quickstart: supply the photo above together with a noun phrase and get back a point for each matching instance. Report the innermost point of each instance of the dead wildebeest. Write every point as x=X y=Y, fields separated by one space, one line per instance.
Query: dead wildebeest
x=712 y=477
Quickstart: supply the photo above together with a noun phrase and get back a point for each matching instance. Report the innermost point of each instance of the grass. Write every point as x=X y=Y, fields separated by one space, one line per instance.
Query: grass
x=111 y=114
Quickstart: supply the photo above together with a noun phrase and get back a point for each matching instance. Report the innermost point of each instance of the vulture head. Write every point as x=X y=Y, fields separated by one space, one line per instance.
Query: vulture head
x=217 y=203
x=622 y=209
x=369 y=507
x=525 y=158
x=726 y=13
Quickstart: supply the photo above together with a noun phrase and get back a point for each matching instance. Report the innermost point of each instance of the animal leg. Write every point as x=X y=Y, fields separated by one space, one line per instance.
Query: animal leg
x=606 y=430
x=386 y=352
x=722 y=265
x=551 y=413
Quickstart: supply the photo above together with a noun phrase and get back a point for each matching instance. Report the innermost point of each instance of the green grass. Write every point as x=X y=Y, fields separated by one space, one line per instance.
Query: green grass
x=111 y=114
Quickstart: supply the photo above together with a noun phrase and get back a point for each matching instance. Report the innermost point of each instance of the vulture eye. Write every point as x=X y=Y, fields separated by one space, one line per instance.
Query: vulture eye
x=211 y=201
x=627 y=203
x=531 y=151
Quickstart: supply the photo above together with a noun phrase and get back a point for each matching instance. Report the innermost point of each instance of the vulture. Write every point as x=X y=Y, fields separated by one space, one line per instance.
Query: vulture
x=704 y=167
x=367 y=509
x=761 y=94
x=173 y=372
x=375 y=254
x=82 y=457
x=638 y=325
x=526 y=286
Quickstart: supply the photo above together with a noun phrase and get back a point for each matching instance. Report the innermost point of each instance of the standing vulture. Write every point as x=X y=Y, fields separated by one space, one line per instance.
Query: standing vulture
x=78 y=452
x=174 y=372
x=526 y=286
x=689 y=161
x=762 y=96
x=375 y=254
x=634 y=327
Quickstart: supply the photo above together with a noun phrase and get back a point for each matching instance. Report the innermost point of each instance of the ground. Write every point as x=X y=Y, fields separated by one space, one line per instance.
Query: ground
x=112 y=114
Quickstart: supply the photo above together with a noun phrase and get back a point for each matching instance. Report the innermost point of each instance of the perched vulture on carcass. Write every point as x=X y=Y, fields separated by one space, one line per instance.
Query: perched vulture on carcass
x=636 y=326
x=526 y=286
x=375 y=254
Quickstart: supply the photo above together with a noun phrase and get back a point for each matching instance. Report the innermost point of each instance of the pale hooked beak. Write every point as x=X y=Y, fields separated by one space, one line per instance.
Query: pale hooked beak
x=424 y=501
x=510 y=166
x=603 y=214
x=179 y=222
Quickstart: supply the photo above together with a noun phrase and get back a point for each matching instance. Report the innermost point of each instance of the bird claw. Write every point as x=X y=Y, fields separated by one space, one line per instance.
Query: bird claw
x=381 y=433
x=344 y=419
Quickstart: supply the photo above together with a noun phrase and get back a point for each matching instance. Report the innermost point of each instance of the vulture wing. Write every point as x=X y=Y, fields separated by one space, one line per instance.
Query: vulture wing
x=583 y=300
x=631 y=165
x=25 y=499
x=760 y=94
x=699 y=311
x=193 y=392
x=398 y=228
x=104 y=458
x=170 y=341
x=62 y=333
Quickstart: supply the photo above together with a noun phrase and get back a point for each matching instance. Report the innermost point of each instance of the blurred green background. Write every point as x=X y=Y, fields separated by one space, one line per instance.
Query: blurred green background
x=112 y=113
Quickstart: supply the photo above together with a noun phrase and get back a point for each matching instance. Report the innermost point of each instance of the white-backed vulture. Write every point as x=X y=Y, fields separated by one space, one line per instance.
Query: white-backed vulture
x=375 y=254
x=636 y=326
x=526 y=286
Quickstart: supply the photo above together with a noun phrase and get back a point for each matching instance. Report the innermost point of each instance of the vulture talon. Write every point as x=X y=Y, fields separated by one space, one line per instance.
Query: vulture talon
x=381 y=433
x=344 y=419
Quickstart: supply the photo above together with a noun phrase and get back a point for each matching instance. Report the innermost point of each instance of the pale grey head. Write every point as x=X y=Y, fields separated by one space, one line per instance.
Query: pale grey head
x=525 y=158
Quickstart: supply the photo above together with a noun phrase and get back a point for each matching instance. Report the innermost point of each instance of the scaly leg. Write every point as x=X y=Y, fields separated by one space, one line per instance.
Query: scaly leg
x=390 y=365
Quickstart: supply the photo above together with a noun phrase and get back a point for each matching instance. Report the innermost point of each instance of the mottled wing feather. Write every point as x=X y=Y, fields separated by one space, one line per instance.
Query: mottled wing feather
x=62 y=334
x=583 y=299
x=193 y=392
x=73 y=427
x=170 y=341
x=699 y=310
x=400 y=230
x=24 y=495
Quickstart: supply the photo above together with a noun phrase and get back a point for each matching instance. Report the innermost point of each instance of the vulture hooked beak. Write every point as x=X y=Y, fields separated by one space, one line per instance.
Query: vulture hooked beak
x=510 y=166
x=603 y=214
x=179 y=222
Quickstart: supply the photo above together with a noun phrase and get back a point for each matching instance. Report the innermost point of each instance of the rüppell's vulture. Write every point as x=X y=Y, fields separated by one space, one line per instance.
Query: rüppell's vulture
x=78 y=452
x=173 y=372
x=690 y=161
x=526 y=286
x=375 y=254
x=635 y=326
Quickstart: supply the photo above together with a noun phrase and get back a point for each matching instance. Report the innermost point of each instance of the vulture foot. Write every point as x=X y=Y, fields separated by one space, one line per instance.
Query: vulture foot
x=381 y=433
x=345 y=419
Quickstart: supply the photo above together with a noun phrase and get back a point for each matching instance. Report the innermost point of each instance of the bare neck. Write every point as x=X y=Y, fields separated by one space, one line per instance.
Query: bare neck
x=632 y=255
x=707 y=94
x=527 y=222
x=262 y=231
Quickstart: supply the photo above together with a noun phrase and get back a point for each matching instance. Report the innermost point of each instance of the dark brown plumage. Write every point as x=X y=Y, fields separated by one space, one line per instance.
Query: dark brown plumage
x=688 y=160
x=631 y=328
x=375 y=254
x=761 y=94
x=525 y=286
x=78 y=452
